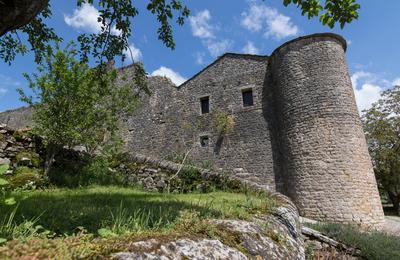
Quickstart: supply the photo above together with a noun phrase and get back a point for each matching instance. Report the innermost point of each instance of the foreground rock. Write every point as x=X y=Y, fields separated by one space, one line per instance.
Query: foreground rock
x=273 y=236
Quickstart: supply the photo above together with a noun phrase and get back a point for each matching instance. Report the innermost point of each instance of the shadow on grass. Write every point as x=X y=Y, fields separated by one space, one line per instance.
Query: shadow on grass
x=64 y=212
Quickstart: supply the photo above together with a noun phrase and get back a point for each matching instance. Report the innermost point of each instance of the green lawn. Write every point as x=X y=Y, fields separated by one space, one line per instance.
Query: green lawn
x=66 y=211
x=96 y=221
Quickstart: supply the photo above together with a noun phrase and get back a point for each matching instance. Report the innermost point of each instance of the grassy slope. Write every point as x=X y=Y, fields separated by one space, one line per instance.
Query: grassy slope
x=131 y=214
x=373 y=245
x=64 y=210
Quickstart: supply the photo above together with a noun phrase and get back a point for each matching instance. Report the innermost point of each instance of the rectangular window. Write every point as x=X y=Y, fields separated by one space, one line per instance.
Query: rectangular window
x=247 y=96
x=205 y=105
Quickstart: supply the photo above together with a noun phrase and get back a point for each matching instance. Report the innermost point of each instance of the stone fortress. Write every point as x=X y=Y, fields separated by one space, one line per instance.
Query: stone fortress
x=293 y=126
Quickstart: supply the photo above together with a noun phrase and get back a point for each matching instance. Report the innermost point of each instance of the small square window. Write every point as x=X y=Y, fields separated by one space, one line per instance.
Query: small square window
x=204 y=141
x=205 y=105
x=247 y=96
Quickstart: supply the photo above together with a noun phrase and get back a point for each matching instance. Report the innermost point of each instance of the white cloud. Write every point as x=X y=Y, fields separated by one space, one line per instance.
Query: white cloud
x=200 y=24
x=133 y=54
x=367 y=95
x=367 y=88
x=362 y=75
x=175 y=77
x=203 y=29
x=86 y=18
x=250 y=48
x=3 y=91
x=396 y=82
x=217 y=48
x=262 y=18
x=200 y=58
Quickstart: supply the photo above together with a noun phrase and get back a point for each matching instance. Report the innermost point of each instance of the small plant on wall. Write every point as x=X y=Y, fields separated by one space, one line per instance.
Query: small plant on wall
x=222 y=122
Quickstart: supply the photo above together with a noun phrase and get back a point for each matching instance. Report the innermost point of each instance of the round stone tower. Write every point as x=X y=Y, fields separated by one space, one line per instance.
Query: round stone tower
x=324 y=160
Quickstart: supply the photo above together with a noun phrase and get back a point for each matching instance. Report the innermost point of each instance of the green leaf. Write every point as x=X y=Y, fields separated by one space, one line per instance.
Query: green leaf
x=3 y=182
x=10 y=201
x=4 y=168
x=2 y=240
x=105 y=232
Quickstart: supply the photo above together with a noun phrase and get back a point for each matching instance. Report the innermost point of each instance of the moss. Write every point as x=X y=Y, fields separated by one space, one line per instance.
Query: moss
x=32 y=156
x=24 y=178
x=2 y=137
x=25 y=169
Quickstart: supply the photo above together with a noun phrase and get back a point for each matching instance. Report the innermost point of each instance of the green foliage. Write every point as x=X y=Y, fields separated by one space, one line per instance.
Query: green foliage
x=382 y=127
x=222 y=122
x=123 y=210
x=102 y=45
x=4 y=168
x=27 y=179
x=77 y=170
x=76 y=105
x=373 y=244
x=32 y=156
x=334 y=11
x=9 y=229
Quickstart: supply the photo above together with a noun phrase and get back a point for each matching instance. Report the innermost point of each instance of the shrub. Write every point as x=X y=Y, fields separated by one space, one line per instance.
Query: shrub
x=28 y=180
x=76 y=170
x=32 y=156
x=25 y=169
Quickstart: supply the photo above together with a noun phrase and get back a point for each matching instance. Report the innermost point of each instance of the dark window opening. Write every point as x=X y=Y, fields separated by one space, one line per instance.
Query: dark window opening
x=247 y=97
x=205 y=105
x=204 y=141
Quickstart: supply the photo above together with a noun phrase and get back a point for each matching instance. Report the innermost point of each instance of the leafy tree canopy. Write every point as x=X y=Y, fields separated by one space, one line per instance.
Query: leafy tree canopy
x=77 y=105
x=382 y=129
x=28 y=17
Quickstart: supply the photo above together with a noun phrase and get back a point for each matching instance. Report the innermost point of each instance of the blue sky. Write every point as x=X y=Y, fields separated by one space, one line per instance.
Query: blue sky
x=242 y=26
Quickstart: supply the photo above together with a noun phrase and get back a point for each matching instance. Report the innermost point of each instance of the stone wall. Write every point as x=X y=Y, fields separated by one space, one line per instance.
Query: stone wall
x=324 y=157
x=19 y=148
x=302 y=136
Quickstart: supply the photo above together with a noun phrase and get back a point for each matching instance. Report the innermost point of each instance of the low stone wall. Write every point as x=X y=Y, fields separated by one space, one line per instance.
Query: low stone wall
x=19 y=148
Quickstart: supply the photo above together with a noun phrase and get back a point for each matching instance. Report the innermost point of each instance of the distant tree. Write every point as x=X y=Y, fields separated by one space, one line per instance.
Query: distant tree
x=76 y=105
x=382 y=129
x=28 y=19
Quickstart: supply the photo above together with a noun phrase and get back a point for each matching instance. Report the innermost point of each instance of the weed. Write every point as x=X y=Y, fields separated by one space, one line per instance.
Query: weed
x=373 y=244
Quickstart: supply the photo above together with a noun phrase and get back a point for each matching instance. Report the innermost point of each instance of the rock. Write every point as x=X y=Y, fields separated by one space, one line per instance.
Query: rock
x=25 y=161
x=4 y=161
x=8 y=173
x=2 y=126
x=182 y=249
x=161 y=184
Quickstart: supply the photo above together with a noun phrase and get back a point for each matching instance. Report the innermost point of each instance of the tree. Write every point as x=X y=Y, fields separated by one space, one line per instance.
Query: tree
x=77 y=105
x=27 y=17
x=382 y=129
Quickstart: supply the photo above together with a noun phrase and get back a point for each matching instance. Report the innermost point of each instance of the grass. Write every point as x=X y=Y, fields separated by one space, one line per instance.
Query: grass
x=65 y=211
x=373 y=245
x=94 y=221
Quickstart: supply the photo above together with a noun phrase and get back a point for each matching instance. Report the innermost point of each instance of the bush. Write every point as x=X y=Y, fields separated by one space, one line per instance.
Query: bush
x=29 y=180
x=76 y=170
x=26 y=170
x=32 y=156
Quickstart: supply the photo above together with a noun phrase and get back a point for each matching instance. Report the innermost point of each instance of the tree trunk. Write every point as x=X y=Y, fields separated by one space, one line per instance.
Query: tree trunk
x=51 y=152
x=17 y=13
x=395 y=199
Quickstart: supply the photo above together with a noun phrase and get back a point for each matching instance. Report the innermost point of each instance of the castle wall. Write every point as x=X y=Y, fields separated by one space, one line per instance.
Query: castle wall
x=302 y=137
x=325 y=161
x=170 y=121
